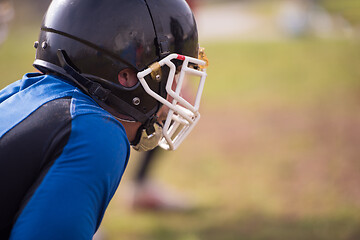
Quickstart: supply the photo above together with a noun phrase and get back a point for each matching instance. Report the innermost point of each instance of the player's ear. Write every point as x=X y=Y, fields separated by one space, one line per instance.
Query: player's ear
x=127 y=77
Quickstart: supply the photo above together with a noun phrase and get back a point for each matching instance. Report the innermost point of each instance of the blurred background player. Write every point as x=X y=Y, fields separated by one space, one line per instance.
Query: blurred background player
x=148 y=194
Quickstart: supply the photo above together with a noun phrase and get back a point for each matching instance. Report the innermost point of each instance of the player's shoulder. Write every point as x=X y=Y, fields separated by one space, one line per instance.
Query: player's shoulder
x=93 y=121
x=95 y=134
x=82 y=104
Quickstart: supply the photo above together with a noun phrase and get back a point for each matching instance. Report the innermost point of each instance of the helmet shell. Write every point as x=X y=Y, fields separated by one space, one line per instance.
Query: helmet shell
x=101 y=38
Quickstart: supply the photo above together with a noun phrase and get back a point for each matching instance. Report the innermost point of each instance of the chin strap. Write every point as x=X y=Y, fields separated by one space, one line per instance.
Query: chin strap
x=100 y=94
x=148 y=126
x=148 y=135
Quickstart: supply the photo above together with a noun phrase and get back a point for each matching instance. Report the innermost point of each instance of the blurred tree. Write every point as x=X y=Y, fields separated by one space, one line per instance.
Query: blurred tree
x=349 y=9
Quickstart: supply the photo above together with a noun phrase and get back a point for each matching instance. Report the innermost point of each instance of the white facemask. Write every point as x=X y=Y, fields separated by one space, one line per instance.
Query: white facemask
x=182 y=115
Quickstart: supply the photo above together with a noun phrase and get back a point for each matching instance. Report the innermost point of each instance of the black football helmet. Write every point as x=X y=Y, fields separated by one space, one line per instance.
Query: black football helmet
x=91 y=41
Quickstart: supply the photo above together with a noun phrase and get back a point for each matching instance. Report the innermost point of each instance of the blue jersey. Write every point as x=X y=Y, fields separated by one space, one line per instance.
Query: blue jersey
x=61 y=160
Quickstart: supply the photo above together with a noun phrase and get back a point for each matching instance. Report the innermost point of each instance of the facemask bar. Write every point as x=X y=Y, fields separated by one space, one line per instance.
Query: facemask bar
x=182 y=116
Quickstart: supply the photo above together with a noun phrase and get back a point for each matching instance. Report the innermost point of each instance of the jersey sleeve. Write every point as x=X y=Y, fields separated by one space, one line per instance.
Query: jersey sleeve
x=71 y=200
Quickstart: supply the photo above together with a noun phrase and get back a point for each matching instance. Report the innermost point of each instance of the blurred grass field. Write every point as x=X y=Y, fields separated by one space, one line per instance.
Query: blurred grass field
x=275 y=155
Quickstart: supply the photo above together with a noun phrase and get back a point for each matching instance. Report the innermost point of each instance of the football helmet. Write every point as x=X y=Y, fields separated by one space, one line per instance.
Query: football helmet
x=90 y=42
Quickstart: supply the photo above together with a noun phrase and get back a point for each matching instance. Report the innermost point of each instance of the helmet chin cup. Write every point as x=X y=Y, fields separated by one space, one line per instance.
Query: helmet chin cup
x=182 y=115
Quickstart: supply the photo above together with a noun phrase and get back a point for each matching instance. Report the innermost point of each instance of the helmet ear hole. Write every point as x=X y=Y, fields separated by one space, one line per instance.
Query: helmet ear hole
x=127 y=78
